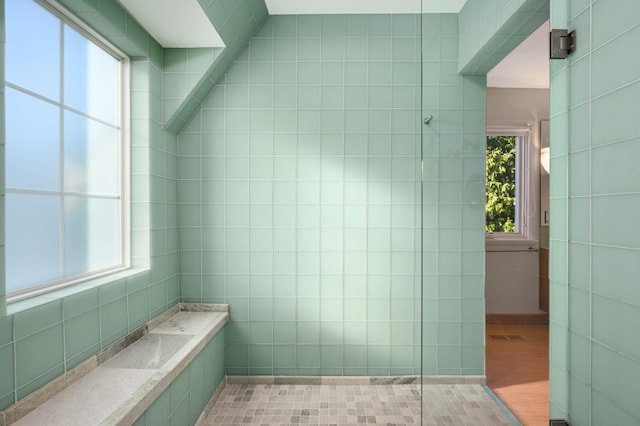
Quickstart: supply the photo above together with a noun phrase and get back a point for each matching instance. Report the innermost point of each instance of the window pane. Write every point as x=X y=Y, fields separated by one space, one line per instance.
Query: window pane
x=32 y=48
x=501 y=184
x=33 y=240
x=91 y=156
x=33 y=142
x=92 y=234
x=91 y=78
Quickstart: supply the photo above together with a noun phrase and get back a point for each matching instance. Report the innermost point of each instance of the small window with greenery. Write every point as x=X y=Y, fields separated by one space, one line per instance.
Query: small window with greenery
x=510 y=201
x=501 y=184
x=65 y=172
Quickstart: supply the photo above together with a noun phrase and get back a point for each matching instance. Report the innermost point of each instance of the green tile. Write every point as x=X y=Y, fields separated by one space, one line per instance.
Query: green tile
x=380 y=49
x=114 y=19
x=237 y=357
x=473 y=358
x=6 y=370
x=307 y=332
x=197 y=386
x=309 y=25
x=114 y=318
x=261 y=332
x=40 y=381
x=331 y=332
x=284 y=332
x=611 y=20
x=175 y=60
x=449 y=357
x=30 y=362
x=404 y=25
x=616 y=376
x=138 y=308
x=331 y=356
x=261 y=356
x=137 y=282
x=141 y=421
x=356 y=25
x=284 y=356
x=7 y=401
x=307 y=356
x=179 y=389
x=180 y=415
x=81 y=333
x=6 y=329
x=355 y=356
x=401 y=333
x=378 y=359
x=80 y=303
x=285 y=49
x=607 y=312
x=38 y=318
x=378 y=332
x=332 y=26
x=606 y=410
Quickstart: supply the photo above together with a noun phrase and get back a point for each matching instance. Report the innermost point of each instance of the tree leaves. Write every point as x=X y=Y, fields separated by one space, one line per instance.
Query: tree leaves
x=501 y=184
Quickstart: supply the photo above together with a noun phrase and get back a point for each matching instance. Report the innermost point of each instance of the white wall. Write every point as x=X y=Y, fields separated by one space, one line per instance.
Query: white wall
x=512 y=276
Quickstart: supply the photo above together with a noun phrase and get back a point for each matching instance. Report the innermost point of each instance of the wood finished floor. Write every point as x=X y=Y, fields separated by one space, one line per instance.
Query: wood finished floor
x=518 y=369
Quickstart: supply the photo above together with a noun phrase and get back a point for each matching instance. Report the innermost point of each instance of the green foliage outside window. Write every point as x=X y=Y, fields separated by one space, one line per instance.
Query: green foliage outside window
x=501 y=184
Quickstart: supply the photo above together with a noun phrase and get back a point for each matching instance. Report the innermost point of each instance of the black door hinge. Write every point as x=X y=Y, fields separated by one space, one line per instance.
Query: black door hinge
x=561 y=43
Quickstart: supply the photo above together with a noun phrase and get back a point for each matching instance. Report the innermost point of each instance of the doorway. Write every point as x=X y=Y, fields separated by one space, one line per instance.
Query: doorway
x=517 y=244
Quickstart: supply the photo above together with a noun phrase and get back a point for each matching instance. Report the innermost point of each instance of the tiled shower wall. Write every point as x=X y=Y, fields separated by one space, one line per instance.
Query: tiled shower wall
x=453 y=205
x=299 y=198
x=595 y=249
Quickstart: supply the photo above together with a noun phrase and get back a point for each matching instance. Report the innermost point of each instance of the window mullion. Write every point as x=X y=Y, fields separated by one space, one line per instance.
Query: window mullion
x=61 y=158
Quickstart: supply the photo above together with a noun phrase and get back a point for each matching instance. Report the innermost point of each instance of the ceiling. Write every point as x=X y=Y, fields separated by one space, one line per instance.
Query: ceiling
x=307 y=7
x=175 y=23
x=527 y=66
x=183 y=23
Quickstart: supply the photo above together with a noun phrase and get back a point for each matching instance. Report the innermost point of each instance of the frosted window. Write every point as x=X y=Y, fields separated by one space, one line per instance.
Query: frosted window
x=91 y=156
x=33 y=142
x=91 y=78
x=32 y=57
x=64 y=154
x=91 y=234
x=33 y=240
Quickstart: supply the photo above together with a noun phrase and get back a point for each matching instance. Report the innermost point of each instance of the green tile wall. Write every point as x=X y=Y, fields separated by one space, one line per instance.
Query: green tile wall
x=594 y=245
x=184 y=400
x=53 y=333
x=453 y=206
x=187 y=85
x=299 y=198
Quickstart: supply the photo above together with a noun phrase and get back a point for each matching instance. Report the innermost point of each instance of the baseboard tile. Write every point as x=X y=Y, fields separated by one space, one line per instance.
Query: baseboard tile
x=517 y=318
x=355 y=380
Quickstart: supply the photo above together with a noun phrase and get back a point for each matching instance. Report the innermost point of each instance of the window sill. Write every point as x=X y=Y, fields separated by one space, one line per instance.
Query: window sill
x=24 y=302
x=494 y=243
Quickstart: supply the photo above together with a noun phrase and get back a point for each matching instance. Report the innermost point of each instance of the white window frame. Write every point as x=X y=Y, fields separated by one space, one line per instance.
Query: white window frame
x=525 y=237
x=69 y=18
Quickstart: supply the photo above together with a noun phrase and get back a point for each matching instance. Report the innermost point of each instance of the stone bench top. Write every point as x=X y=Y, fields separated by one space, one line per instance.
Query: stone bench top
x=123 y=386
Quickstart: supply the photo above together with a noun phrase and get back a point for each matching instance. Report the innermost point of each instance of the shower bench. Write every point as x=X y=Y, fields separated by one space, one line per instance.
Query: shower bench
x=126 y=378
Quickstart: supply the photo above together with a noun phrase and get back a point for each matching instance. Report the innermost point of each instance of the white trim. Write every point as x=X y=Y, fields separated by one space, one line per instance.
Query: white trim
x=525 y=237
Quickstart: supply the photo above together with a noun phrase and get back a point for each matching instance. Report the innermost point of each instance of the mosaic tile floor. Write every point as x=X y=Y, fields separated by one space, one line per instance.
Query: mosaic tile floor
x=355 y=405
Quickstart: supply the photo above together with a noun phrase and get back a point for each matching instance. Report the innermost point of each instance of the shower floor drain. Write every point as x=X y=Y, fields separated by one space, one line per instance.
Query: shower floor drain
x=506 y=337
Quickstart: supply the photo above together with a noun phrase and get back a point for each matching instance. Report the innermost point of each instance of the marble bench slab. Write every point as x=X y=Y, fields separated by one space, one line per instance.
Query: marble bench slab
x=120 y=389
